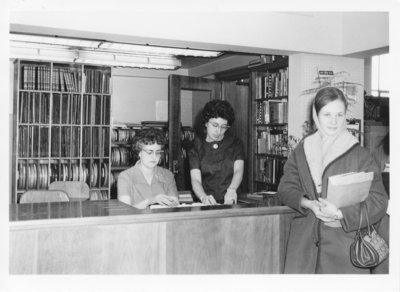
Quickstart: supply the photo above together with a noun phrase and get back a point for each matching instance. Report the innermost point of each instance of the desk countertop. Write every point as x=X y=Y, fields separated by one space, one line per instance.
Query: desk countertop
x=114 y=208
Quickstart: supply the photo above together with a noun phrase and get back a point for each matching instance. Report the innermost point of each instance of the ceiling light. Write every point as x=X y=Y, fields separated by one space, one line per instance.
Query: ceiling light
x=45 y=54
x=154 y=50
x=85 y=44
x=25 y=38
x=126 y=60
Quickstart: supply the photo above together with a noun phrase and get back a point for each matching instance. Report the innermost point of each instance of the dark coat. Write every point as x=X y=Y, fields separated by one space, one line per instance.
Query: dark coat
x=314 y=247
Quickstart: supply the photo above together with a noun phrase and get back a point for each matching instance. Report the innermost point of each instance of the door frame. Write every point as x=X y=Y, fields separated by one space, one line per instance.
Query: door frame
x=176 y=83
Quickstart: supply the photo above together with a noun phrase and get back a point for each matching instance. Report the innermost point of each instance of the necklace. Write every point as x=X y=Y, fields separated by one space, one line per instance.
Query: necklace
x=215 y=146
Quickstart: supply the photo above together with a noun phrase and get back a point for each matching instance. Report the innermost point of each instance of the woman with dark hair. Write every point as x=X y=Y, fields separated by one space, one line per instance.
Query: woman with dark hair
x=313 y=246
x=146 y=183
x=217 y=159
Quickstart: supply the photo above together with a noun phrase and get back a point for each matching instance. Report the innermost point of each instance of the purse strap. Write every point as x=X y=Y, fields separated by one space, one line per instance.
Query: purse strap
x=363 y=206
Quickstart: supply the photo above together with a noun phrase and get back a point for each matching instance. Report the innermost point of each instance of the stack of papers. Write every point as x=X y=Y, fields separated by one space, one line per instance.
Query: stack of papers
x=348 y=189
x=156 y=206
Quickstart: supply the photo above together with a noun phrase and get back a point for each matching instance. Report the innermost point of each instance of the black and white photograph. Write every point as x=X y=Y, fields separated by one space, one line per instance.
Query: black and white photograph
x=200 y=145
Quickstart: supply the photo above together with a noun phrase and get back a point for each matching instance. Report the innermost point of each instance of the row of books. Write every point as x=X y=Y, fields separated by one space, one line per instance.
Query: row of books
x=32 y=141
x=65 y=141
x=39 y=176
x=97 y=81
x=64 y=79
x=40 y=77
x=34 y=107
x=67 y=79
x=270 y=169
x=35 y=77
x=273 y=84
x=272 y=141
x=95 y=142
x=66 y=109
x=96 y=110
x=272 y=112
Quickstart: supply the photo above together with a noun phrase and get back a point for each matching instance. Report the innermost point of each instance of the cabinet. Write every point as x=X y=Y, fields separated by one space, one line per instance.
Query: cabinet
x=268 y=125
x=61 y=126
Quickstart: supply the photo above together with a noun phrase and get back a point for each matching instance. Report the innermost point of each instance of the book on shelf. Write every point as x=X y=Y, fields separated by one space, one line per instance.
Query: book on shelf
x=348 y=189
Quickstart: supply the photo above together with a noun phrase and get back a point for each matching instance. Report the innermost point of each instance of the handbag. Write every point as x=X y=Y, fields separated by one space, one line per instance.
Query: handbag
x=369 y=249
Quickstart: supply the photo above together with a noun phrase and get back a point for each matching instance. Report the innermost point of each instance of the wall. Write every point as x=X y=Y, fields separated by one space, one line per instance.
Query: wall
x=305 y=82
x=136 y=93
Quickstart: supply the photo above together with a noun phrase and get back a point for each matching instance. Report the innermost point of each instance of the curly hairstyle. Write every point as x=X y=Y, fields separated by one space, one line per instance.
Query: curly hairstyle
x=217 y=108
x=149 y=136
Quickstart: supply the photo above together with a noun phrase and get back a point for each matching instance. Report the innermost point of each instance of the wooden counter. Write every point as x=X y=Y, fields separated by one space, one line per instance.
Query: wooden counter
x=109 y=237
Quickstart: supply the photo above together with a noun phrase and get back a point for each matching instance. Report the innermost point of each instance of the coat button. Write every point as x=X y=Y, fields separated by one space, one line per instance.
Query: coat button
x=317 y=244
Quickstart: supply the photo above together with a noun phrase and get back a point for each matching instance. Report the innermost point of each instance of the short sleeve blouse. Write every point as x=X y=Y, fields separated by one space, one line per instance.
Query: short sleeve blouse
x=216 y=163
x=133 y=183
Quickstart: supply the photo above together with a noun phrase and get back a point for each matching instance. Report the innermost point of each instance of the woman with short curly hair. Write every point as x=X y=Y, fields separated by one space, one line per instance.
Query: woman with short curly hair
x=217 y=160
x=146 y=183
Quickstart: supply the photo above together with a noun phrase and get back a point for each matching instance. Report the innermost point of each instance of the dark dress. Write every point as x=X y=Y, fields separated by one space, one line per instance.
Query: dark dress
x=216 y=165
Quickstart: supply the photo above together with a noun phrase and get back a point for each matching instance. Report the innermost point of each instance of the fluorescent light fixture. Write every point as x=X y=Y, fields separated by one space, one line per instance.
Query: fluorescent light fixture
x=45 y=54
x=23 y=40
x=34 y=39
x=153 y=50
x=126 y=60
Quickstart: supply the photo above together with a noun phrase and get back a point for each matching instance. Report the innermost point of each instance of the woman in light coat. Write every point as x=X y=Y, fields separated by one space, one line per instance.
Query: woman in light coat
x=313 y=246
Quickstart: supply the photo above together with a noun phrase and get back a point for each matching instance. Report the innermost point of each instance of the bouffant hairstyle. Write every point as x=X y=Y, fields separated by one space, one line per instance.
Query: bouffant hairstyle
x=217 y=108
x=327 y=95
x=149 y=136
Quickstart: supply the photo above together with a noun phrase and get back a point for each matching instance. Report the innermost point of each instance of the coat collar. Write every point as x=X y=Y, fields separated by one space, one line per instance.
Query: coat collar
x=318 y=157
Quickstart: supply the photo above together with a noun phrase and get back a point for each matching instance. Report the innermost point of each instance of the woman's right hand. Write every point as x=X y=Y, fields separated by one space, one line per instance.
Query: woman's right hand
x=165 y=200
x=208 y=200
x=315 y=206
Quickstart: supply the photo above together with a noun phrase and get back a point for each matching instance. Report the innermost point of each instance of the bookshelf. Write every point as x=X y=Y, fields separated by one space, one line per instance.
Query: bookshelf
x=268 y=125
x=122 y=154
x=61 y=126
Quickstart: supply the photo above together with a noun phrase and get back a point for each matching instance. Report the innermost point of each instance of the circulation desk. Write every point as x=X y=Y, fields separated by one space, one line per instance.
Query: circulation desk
x=109 y=237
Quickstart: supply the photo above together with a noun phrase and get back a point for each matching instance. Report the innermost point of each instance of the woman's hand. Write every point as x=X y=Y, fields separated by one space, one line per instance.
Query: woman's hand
x=316 y=207
x=230 y=197
x=329 y=210
x=208 y=200
x=165 y=200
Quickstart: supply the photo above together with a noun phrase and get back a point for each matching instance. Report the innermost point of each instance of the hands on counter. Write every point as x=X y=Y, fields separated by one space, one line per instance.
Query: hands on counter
x=229 y=198
x=208 y=200
x=165 y=200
